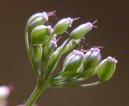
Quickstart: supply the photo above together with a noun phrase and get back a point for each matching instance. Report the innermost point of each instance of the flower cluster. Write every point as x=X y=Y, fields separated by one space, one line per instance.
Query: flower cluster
x=45 y=54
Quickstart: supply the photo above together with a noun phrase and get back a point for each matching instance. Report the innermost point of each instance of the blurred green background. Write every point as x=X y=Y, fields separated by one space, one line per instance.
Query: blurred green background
x=112 y=34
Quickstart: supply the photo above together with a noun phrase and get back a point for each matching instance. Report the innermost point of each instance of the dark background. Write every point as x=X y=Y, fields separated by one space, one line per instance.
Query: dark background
x=112 y=34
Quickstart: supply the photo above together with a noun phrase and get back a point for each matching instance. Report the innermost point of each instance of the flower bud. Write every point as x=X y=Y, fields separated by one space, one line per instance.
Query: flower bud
x=36 y=15
x=90 y=61
x=37 y=48
x=36 y=19
x=72 y=44
x=63 y=25
x=73 y=61
x=71 y=64
x=40 y=34
x=106 y=68
x=70 y=54
x=80 y=31
x=92 y=58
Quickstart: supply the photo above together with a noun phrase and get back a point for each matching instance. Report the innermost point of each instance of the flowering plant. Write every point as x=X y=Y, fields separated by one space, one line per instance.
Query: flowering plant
x=44 y=55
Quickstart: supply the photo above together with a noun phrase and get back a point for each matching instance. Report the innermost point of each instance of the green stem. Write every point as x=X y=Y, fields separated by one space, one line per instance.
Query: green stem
x=92 y=84
x=40 y=88
x=77 y=86
x=30 y=54
x=50 y=70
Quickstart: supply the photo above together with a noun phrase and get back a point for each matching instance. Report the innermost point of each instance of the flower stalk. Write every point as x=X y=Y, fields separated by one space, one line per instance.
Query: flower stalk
x=39 y=89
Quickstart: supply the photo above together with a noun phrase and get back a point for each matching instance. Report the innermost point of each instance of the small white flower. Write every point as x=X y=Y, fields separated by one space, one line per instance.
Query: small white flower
x=4 y=92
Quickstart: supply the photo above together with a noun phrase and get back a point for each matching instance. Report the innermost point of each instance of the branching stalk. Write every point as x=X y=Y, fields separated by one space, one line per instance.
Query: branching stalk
x=40 y=88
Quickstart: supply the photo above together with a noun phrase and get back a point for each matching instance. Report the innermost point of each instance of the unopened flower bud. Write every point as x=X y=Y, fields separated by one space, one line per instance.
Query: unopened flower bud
x=36 y=19
x=92 y=58
x=71 y=45
x=40 y=34
x=36 y=15
x=90 y=61
x=73 y=61
x=81 y=31
x=106 y=68
x=63 y=25
x=37 y=48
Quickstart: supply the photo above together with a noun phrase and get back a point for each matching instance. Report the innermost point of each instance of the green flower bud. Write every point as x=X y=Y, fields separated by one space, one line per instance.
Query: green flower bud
x=106 y=68
x=36 y=15
x=73 y=61
x=63 y=25
x=71 y=45
x=70 y=54
x=37 y=48
x=36 y=19
x=80 y=31
x=71 y=64
x=91 y=59
x=40 y=34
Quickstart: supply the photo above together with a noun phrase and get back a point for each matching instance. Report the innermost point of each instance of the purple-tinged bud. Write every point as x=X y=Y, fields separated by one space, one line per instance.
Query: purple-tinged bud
x=91 y=59
x=36 y=19
x=40 y=34
x=36 y=15
x=106 y=68
x=81 y=31
x=73 y=61
x=62 y=25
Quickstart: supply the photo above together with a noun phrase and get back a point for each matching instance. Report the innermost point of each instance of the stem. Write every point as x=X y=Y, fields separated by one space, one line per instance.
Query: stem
x=30 y=55
x=44 y=57
x=92 y=84
x=77 y=86
x=50 y=70
x=40 y=88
